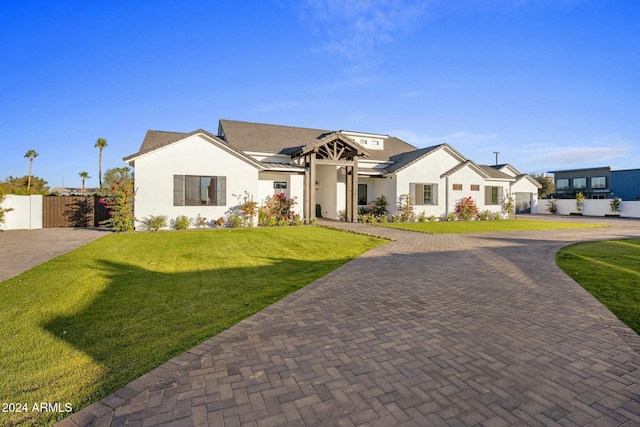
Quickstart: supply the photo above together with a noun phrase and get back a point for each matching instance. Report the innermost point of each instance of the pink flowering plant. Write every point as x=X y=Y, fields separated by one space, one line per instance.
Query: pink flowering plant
x=120 y=206
x=249 y=209
x=276 y=211
x=466 y=209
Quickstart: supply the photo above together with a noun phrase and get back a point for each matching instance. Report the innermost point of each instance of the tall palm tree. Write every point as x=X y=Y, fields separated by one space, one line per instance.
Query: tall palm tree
x=101 y=143
x=31 y=154
x=84 y=175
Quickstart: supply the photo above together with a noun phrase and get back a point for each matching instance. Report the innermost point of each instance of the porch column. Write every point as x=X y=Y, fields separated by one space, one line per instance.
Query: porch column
x=307 y=188
x=349 y=196
x=312 y=185
x=354 y=192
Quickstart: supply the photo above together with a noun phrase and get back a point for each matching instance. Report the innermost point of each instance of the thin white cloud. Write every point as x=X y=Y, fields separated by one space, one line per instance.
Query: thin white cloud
x=355 y=82
x=353 y=29
x=411 y=94
x=277 y=105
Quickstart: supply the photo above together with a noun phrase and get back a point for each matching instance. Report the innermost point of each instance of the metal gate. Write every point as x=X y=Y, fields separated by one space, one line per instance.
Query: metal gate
x=73 y=211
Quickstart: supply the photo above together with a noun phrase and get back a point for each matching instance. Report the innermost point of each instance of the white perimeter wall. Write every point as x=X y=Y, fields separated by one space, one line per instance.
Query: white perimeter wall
x=26 y=213
x=591 y=207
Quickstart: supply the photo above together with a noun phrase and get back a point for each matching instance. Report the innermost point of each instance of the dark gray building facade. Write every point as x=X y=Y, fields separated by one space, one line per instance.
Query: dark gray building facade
x=594 y=183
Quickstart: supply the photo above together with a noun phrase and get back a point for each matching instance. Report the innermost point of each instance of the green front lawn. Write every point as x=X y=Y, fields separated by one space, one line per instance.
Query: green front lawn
x=610 y=271
x=86 y=323
x=449 y=227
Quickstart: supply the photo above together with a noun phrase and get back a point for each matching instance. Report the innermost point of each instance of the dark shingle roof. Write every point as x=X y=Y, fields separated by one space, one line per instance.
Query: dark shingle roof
x=266 y=138
x=494 y=173
x=155 y=139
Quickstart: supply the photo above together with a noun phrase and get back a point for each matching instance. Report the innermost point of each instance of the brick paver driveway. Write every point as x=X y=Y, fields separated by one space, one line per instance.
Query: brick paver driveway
x=477 y=329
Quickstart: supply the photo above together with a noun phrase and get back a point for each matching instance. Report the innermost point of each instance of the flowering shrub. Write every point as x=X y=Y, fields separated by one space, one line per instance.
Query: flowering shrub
x=120 y=206
x=466 y=209
x=249 y=209
x=276 y=211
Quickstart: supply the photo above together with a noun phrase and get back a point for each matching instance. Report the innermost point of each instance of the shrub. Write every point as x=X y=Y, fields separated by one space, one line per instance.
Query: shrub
x=219 y=222
x=579 y=201
x=509 y=205
x=3 y=210
x=182 y=222
x=379 y=206
x=154 y=223
x=313 y=221
x=249 y=208
x=405 y=208
x=552 y=206
x=120 y=206
x=431 y=218
x=496 y=216
x=614 y=205
x=296 y=220
x=466 y=209
x=277 y=210
x=422 y=217
x=235 y=220
x=485 y=215
x=384 y=219
x=452 y=216
x=283 y=221
x=200 y=222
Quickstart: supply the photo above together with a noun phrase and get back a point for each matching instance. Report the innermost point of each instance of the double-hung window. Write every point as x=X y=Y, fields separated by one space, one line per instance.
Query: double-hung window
x=493 y=195
x=191 y=190
x=424 y=194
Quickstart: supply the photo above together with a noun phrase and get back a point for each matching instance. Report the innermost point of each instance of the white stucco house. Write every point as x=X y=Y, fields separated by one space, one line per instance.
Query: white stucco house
x=327 y=171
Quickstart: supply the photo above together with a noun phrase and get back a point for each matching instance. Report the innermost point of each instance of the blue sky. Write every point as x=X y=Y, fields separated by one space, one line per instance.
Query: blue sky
x=550 y=84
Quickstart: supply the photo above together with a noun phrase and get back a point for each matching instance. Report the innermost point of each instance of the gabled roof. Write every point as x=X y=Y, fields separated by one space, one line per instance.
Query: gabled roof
x=266 y=138
x=480 y=171
x=155 y=140
x=405 y=159
x=496 y=174
x=528 y=178
x=341 y=140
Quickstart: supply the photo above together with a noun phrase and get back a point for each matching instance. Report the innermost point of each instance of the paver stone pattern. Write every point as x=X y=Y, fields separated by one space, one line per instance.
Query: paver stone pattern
x=456 y=330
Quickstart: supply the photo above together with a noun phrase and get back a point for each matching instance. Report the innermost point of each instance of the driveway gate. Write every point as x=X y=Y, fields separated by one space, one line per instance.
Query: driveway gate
x=73 y=211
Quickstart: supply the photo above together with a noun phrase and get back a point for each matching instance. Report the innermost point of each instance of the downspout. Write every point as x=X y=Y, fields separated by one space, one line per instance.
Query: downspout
x=446 y=197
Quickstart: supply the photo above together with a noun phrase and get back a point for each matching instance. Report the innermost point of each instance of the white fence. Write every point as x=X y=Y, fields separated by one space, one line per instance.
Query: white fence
x=26 y=213
x=591 y=207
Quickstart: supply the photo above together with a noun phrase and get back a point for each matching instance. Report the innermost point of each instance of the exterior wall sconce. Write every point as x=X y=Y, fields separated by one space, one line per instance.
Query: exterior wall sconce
x=317 y=185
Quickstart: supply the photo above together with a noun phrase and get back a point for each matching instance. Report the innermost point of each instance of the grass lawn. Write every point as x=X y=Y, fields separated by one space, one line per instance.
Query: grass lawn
x=610 y=271
x=86 y=323
x=446 y=227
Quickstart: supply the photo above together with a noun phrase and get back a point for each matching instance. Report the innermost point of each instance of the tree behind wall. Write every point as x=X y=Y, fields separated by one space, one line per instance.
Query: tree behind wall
x=16 y=185
x=100 y=143
x=548 y=187
x=31 y=154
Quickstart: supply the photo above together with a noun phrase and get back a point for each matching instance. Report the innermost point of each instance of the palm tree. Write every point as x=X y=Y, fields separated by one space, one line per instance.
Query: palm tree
x=101 y=143
x=31 y=154
x=84 y=176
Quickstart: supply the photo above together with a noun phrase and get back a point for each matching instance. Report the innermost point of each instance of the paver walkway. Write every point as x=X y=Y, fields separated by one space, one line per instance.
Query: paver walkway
x=21 y=250
x=460 y=330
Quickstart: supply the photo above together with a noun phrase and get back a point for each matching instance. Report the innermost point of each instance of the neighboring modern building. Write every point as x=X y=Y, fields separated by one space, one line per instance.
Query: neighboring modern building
x=327 y=171
x=598 y=183
x=626 y=184
x=594 y=183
